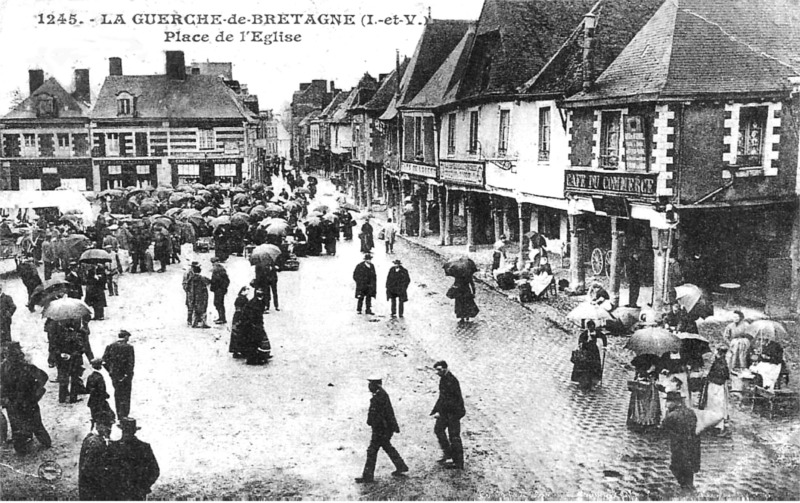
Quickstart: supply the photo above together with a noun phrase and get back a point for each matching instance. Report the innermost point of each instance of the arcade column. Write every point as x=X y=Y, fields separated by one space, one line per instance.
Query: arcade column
x=448 y=205
x=662 y=244
x=470 y=209
x=577 y=269
x=422 y=200
x=617 y=236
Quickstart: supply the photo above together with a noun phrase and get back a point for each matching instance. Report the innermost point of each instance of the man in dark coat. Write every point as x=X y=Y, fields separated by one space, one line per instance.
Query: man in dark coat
x=30 y=277
x=448 y=411
x=68 y=354
x=270 y=287
x=384 y=425
x=119 y=360
x=219 y=287
x=21 y=388
x=255 y=342
x=397 y=282
x=71 y=276
x=98 y=396
x=134 y=468
x=198 y=297
x=367 y=240
x=96 y=291
x=7 y=310
x=162 y=248
x=94 y=471
x=634 y=278
x=680 y=423
x=366 y=283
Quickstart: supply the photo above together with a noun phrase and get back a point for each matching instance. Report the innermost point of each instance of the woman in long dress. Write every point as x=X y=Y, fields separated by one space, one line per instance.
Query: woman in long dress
x=717 y=391
x=236 y=345
x=644 y=408
x=464 y=295
x=589 y=371
x=366 y=237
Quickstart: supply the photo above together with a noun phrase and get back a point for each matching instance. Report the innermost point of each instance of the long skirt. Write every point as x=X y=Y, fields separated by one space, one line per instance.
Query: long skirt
x=466 y=307
x=739 y=354
x=237 y=344
x=644 y=408
x=717 y=400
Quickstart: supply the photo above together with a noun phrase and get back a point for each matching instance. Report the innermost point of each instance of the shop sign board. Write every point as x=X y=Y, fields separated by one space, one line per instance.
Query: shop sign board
x=413 y=168
x=463 y=172
x=611 y=183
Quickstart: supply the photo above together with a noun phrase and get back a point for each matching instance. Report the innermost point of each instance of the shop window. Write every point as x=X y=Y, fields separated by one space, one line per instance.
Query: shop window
x=48 y=170
x=502 y=145
x=188 y=170
x=226 y=170
x=451 y=134
x=610 y=140
x=544 y=134
x=473 y=132
x=114 y=170
x=30 y=184
x=752 y=125
x=205 y=139
x=112 y=144
x=143 y=169
x=74 y=183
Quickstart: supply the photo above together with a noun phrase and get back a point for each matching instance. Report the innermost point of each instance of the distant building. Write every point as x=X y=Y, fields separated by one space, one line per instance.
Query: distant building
x=44 y=140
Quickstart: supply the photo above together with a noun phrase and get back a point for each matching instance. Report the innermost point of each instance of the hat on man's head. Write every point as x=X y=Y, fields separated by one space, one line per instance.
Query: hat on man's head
x=96 y=362
x=195 y=263
x=128 y=424
x=367 y=256
x=397 y=261
x=214 y=260
x=123 y=333
x=674 y=396
x=106 y=417
x=377 y=379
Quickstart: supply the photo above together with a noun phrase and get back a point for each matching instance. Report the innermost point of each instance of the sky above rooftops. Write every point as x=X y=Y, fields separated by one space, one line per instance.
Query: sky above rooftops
x=273 y=72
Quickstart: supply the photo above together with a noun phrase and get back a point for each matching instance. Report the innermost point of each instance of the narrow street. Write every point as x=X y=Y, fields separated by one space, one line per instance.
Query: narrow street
x=295 y=429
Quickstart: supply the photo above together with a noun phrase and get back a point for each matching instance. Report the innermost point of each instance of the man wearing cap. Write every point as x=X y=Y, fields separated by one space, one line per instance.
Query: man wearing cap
x=110 y=239
x=7 y=310
x=134 y=468
x=94 y=470
x=389 y=235
x=187 y=277
x=22 y=385
x=680 y=423
x=384 y=424
x=49 y=256
x=397 y=282
x=366 y=283
x=198 y=296
x=113 y=271
x=71 y=276
x=219 y=286
x=98 y=396
x=448 y=411
x=119 y=360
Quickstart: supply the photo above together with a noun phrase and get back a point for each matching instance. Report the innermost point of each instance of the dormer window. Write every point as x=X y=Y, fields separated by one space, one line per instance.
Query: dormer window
x=45 y=106
x=126 y=104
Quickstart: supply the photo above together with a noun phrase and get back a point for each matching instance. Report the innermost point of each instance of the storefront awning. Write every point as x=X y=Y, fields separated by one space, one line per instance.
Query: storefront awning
x=549 y=202
x=432 y=182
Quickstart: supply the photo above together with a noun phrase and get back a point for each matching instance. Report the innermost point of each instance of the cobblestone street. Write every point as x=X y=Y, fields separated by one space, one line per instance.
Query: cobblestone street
x=296 y=428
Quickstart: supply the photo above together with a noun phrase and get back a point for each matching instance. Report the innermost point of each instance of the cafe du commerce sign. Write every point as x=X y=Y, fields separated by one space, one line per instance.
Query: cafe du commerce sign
x=613 y=183
x=462 y=172
x=413 y=168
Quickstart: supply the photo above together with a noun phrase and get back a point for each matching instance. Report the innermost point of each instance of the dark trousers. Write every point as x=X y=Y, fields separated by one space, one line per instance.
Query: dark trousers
x=361 y=299
x=685 y=477
x=113 y=289
x=381 y=440
x=397 y=305
x=69 y=380
x=137 y=261
x=48 y=270
x=26 y=421
x=633 y=294
x=451 y=441
x=189 y=315
x=164 y=261
x=389 y=246
x=219 y=305
x=271 y=292
x=122 y=397
x=99 y=312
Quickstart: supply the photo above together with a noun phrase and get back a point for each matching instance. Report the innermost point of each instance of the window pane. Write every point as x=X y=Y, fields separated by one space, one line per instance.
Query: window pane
x=451 y=134
x=609 y=140
x=503 y=144
x=752 y=123
x=115 y=170
x=30 y=184
x=473 y=132
x=74 y=183
x=544 y=134
x=142 y=169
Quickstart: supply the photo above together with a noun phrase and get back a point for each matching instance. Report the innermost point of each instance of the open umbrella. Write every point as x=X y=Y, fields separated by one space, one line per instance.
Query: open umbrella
x=185 y=188
x=688 y=295
x=76 y=244
x=292 y=206
x=204 y=193
x=313 y=221
x=462 y=267
x=265 y=254
x=322 y=208
x=240 y=219
x=589 y=311
x=198 y=186
x=301 y=190
x=161 y=220
x=240 y=199
x=66 y=309
x=258 y=214
x=214 y=187
x=258 y=186
x=48 y=290
x=111 y=193
x=767 y=329
x=653 y=341
x=314 y=214
x=349 y=206
x=220 y=220
x=163 y=193
x=95 y=256
x=237 y=190
x=179 y=197
x=135 y=192
x=209 y=211
x=278 y=229
x=172 y=212
x=148 y=206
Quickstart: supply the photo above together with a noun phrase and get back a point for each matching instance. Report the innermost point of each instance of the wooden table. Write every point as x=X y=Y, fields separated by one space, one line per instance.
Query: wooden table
x=730 y=290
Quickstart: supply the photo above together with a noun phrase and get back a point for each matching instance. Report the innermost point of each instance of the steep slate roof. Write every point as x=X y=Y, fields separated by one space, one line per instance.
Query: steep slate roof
x=364 y=92
x=337 y=100
x=437 y=41
x=340 y=114
x=515 y=39
x=443 y=85
x=305 y=121
x=617 y=23
x=383 y=96
x=68 y=107
x=158 y=96
x=706 y=47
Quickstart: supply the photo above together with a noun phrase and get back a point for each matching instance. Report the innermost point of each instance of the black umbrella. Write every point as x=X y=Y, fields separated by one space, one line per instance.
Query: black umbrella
x=462 y=267
x=49 y=290
x=95 y=256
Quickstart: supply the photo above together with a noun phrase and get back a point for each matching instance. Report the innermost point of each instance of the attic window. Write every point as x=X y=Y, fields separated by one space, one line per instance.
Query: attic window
x=126 y=104
x=46 y=106
x=752 y=125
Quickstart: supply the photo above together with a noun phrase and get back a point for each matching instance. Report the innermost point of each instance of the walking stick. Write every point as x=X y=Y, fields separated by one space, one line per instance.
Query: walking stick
x=603 y=365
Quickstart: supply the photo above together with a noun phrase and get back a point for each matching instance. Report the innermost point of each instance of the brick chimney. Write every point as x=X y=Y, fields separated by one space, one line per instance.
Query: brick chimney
x=35 y=80
x=589 y=22
x=333 y=87
x=176 y=65
x=115 y=66
x=81 y=92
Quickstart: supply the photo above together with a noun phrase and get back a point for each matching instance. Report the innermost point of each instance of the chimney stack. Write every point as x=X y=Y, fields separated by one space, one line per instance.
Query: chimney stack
x=35 y=80
x=176 y=66
x=333 y=87
x=81 y=92
x=115 y=66
x=589 y=22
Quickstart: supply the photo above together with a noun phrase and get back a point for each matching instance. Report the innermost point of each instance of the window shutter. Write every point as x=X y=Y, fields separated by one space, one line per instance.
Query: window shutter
x=408 y=138
x=429 y=147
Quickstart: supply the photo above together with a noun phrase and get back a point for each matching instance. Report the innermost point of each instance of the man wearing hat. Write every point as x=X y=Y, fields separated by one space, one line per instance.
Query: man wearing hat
x=197 y=292
x=22 y=385
x=187 y=280
x=366 y=283
x=98 y=396
x=448 y=411
x=49 y=256
x=133 y=465
x=94 y=470
x=113 y=271
x=219 y=287
x=680 y=423
x=397 y=282
x=119 y=360
x=29 y=276
x=381 y=418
